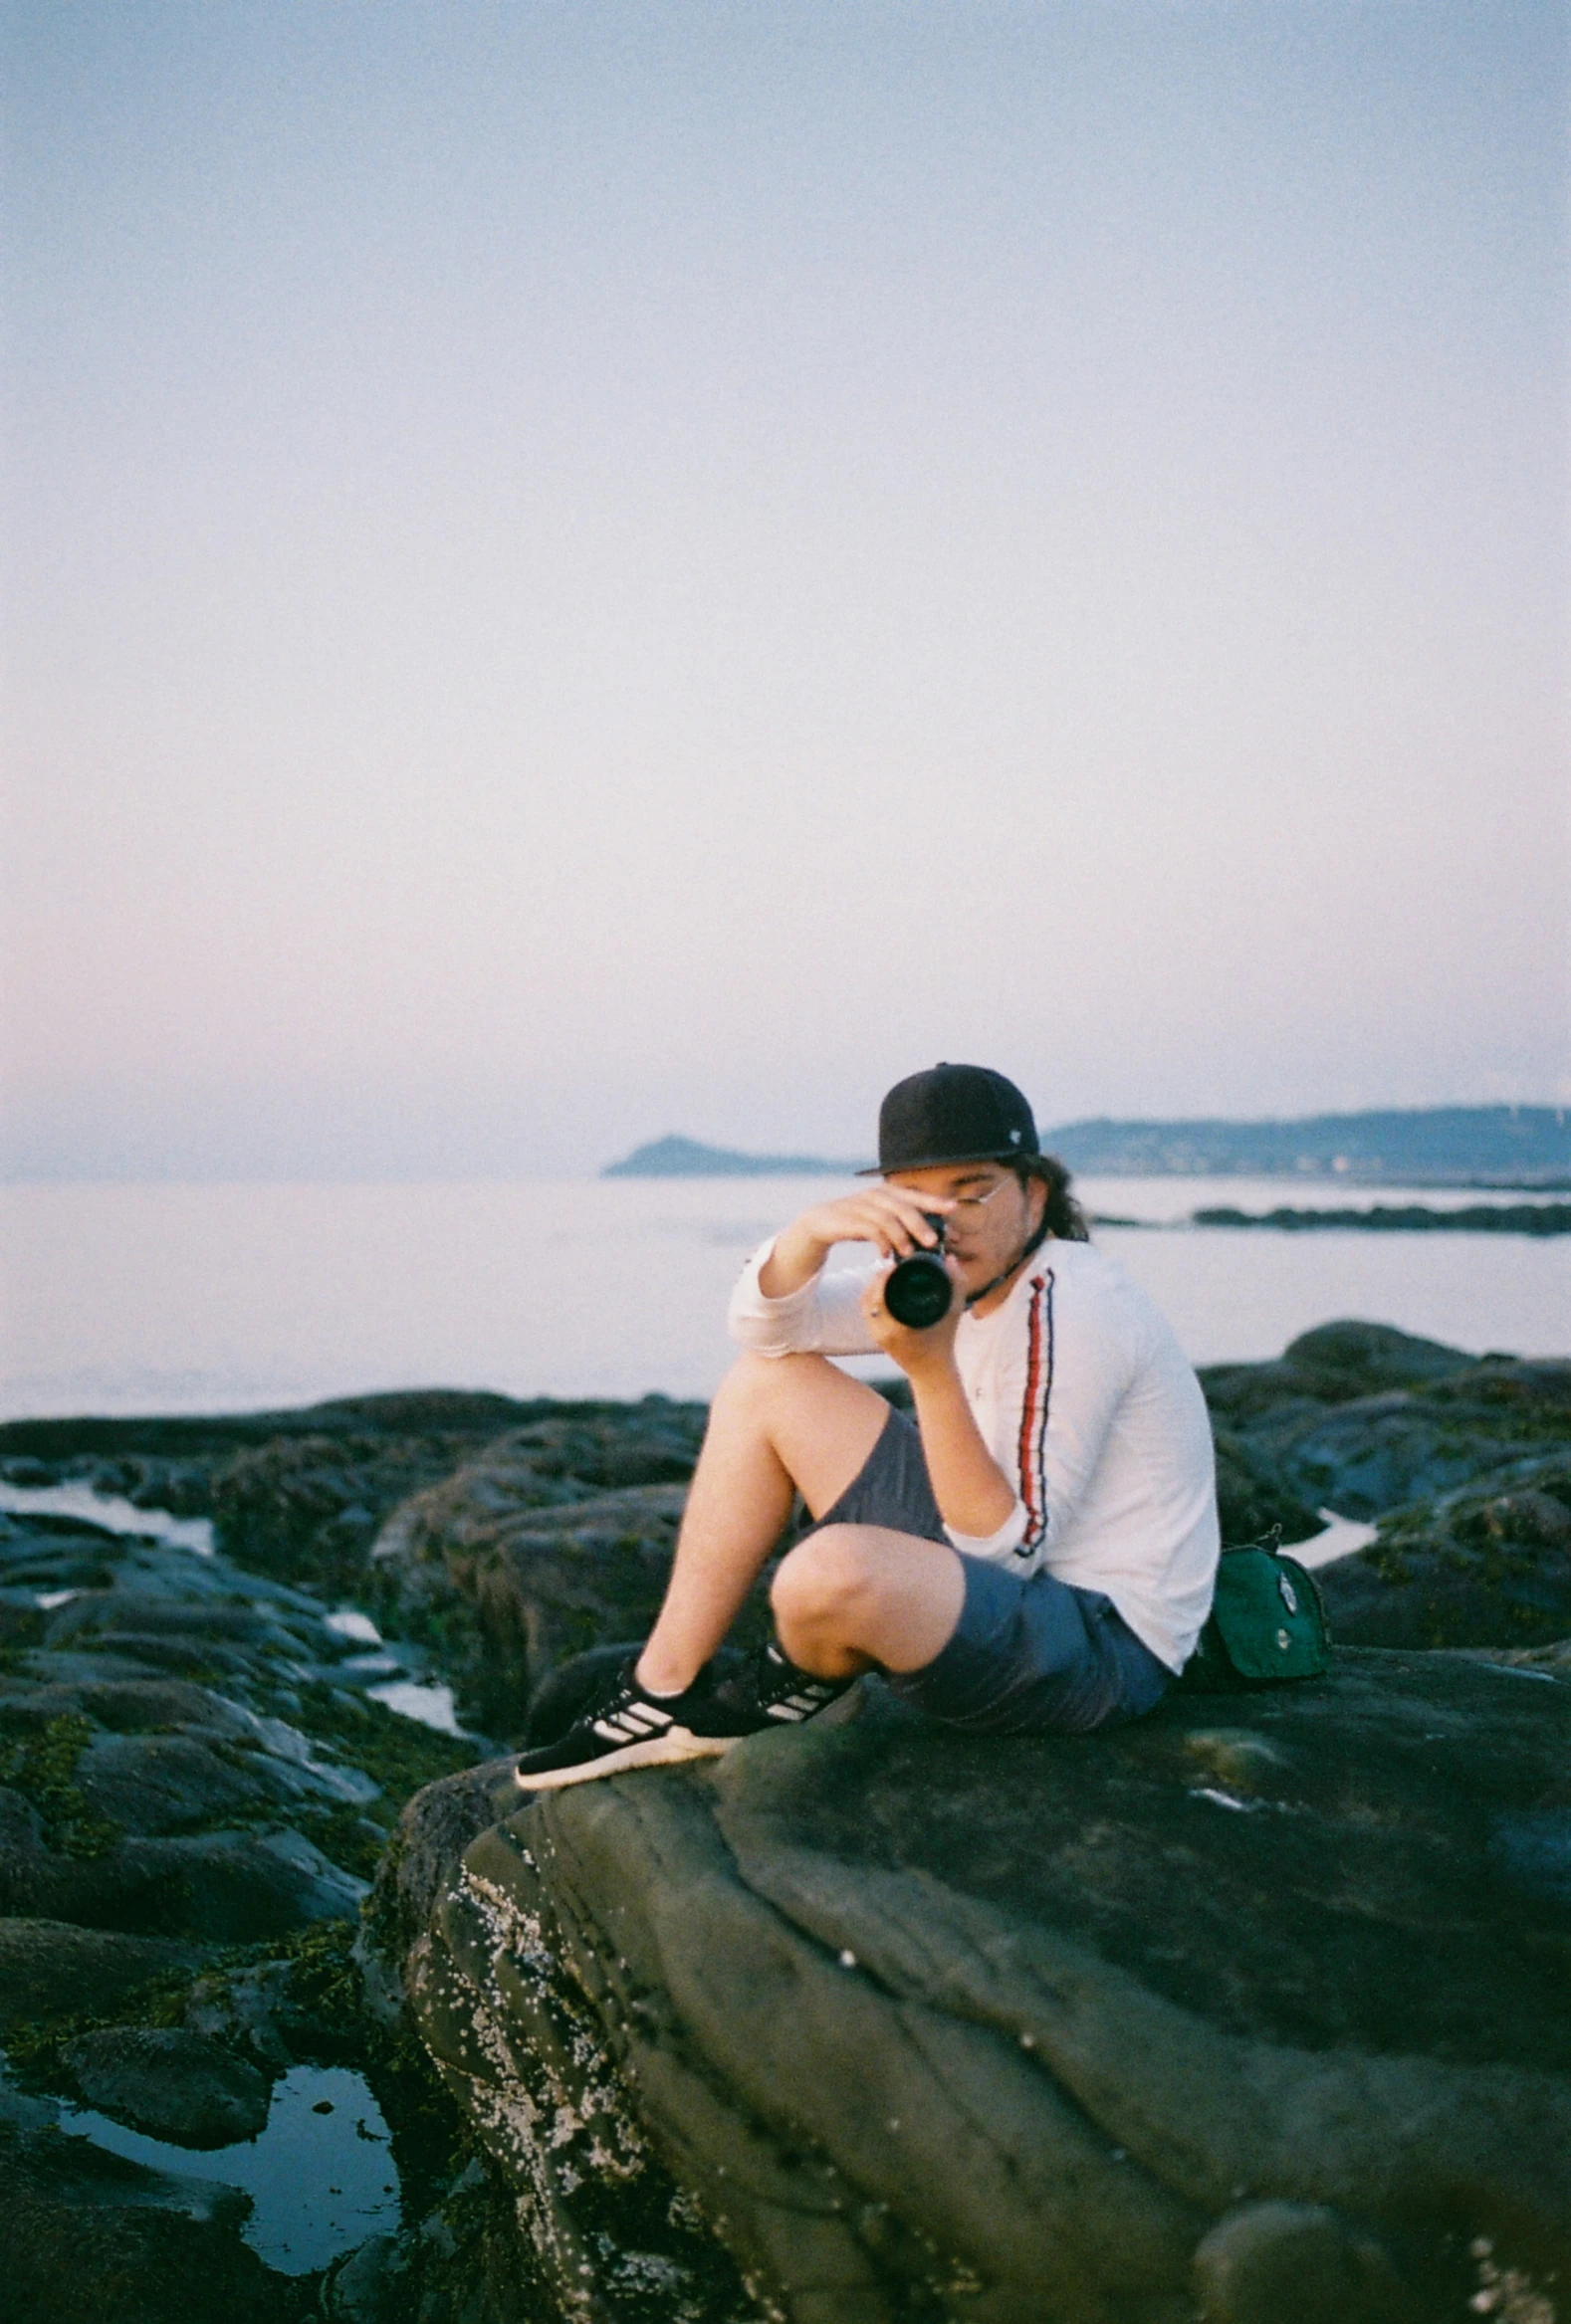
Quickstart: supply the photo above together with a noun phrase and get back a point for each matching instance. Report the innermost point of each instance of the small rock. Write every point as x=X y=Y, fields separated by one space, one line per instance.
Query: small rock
x=91 y=2239
x=1296 y=2263
x=171 y=2083
x=48 y=1967
x=370 y=2287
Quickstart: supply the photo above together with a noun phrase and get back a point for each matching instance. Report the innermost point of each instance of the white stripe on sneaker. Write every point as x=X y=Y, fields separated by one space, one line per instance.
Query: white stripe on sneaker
x=626 y=1725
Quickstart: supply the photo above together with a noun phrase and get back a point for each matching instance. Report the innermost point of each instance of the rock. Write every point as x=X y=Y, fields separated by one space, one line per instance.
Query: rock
x=1252 y=1498
x=249 y=2010
x=707 y=1985
x=1365 y=1419
x=21 y=1618
x=187 y=1805
x=293 y=1493
x=31 y=1474
x=84 y=1820
x=372 y=2285
x=511 y=1566
x=307 y=1506
x=1228 y=2003
x=461 y=2265
x=53 y=1450
x=215 y=1888
x=57 y=1553
x=1336 y=1364
x=1352 y=1358
x=49 y=1968
x=417 y=1866
x=1296 y=2263
x=1489 y=1565
x=91 y=2239
x=124 y=1706
x=145 y=1615
x=171 y=2083
x=161 y=1784
x=513 y=1585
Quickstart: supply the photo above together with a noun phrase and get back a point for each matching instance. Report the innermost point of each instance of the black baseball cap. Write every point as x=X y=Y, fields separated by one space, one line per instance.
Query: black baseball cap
x=953 y=1114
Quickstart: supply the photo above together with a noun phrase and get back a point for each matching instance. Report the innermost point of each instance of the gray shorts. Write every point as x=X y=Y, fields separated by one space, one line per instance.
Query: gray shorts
x=1028 y=1656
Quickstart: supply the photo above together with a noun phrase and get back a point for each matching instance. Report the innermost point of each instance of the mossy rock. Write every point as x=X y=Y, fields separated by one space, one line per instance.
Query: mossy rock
x=1489 y=1565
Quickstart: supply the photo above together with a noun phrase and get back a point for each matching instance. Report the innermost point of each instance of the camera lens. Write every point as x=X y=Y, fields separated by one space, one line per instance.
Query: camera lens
x=918 y=1291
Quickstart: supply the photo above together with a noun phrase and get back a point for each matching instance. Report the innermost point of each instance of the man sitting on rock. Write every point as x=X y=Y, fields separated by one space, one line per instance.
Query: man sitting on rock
x=1037 y=1552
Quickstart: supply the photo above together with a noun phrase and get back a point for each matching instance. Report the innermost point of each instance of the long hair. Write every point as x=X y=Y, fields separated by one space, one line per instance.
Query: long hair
x=1062 y=1215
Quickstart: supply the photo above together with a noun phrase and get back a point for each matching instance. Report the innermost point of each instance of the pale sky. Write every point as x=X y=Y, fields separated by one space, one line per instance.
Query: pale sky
x=590 y=569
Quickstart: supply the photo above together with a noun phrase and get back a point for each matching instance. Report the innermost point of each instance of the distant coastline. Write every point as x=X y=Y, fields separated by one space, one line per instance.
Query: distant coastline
x=1520 y=1147
x=1525 y=1147
x=685 y=1157
x=1534 y=1218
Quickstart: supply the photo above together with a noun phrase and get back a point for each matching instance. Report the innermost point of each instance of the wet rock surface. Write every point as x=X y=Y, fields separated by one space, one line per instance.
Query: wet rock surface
x=91 y=2239
x=194 y=1787
x=49 y=1968
x=676 y=2016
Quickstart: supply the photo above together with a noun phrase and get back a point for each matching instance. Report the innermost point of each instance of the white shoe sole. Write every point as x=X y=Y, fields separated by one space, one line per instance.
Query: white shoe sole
x=668 y=1749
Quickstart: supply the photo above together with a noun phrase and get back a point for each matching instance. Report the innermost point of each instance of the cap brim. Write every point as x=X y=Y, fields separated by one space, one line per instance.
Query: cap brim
x=949 y=1162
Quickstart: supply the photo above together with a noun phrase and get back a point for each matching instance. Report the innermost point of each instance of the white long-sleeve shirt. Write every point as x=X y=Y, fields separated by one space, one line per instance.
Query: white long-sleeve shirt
x=1090 y=1408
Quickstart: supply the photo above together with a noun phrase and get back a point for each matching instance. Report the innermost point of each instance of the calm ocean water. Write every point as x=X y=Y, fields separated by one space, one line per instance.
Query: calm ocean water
x=165 y=1299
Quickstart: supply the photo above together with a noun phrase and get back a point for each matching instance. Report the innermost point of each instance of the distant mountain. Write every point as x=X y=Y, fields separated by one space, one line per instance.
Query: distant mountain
x=1435 y=1145
x=684 y=1157
x=1527 y=1145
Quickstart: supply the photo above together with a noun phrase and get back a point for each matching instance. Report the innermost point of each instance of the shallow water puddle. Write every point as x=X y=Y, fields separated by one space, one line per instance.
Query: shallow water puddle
x=433 y=1706
x=1343 y=1536
x=321 y=2176
x=349 y=1622
x=110 y=1512
x=411 y=1698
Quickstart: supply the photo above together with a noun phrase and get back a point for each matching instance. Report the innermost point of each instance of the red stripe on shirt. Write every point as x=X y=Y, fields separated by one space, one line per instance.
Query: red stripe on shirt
x=1038 y=1383
x=1041 y=1425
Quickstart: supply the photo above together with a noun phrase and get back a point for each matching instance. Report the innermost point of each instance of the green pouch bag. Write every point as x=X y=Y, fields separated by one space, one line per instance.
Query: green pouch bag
x=1267 y=1623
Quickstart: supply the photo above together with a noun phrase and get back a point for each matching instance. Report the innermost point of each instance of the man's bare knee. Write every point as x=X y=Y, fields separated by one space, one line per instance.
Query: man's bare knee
x=825 y=1579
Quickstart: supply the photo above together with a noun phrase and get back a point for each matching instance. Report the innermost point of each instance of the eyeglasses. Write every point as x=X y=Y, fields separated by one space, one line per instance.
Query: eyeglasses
x=966 y=1204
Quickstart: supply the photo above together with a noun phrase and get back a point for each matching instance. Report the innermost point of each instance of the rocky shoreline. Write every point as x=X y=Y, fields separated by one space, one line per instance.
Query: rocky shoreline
x=1529 y=1218
x=859 y=2023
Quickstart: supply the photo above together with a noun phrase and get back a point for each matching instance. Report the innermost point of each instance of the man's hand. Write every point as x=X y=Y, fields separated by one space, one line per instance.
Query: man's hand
x=890 y=1217
x=972 y=1491
x=916 y=1353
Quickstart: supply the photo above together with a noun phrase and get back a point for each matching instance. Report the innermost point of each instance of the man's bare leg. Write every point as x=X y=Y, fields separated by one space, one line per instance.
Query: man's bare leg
x=856 y=1595
x=777 y=1425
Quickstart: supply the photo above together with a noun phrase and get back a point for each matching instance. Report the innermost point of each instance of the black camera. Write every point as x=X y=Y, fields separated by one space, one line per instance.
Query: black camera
x=917 y=1290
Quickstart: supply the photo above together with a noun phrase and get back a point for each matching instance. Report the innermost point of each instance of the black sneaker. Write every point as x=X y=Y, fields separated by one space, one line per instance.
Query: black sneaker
x=777 y=1692
x=622 y=1726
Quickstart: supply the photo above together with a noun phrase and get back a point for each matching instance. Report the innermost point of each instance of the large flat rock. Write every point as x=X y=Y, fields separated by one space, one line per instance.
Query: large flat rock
x=1257 y=2010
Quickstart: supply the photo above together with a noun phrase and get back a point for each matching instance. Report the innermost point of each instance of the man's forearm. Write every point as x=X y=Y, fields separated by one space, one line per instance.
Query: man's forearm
x=795 y=1259
x=972 y=1491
